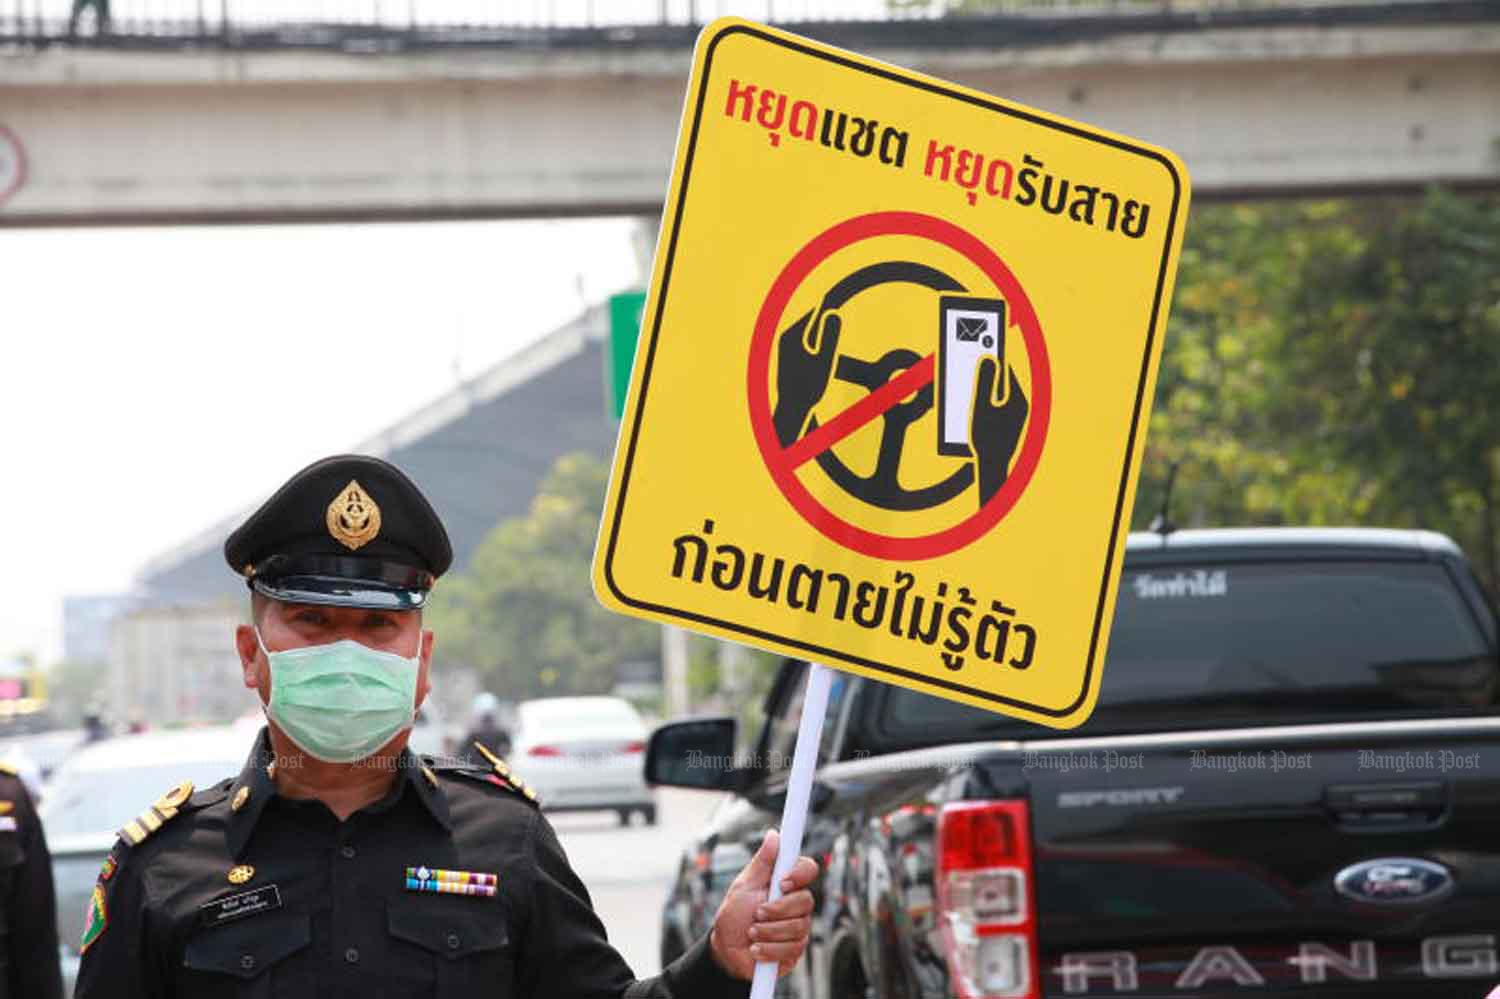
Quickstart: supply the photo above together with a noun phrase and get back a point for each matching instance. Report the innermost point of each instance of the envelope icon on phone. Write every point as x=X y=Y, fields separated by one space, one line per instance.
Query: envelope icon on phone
x=971 y=328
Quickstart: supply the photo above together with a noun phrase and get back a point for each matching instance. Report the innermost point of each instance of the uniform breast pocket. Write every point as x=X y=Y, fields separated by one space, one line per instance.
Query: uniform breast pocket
x=460 y=942
x=261 y=957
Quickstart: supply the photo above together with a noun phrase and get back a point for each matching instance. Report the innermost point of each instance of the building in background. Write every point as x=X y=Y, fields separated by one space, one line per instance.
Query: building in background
x=86 y=624
x=177 y=663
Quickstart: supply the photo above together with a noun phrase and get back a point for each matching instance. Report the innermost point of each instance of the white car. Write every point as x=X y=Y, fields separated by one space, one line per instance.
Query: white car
x=106 y=785
x=584 y=754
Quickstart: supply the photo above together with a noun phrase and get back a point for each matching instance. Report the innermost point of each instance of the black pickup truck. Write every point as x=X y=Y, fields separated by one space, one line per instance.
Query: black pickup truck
x=1290 y=787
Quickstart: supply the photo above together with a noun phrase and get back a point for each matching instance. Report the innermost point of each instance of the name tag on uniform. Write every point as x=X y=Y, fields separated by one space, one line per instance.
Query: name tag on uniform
x=247 y=903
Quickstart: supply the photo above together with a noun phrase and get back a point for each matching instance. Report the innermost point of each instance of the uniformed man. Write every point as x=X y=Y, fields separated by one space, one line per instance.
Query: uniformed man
x=28 y=909
x=337 y=863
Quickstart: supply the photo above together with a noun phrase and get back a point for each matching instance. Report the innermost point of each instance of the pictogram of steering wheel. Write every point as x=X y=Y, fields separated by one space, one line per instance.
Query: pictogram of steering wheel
x=882 y=487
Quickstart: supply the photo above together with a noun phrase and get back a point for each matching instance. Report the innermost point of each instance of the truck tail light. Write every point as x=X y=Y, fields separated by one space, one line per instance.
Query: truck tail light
x=984 y=899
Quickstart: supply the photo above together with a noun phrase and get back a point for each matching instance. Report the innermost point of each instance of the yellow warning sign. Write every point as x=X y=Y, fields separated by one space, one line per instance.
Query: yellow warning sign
x=894 y=375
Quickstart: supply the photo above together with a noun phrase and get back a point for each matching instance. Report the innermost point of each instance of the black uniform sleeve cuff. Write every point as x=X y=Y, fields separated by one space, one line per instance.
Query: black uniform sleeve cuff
x=696 y=975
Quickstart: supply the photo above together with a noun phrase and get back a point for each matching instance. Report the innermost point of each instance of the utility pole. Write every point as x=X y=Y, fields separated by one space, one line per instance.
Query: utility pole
x=674 y=670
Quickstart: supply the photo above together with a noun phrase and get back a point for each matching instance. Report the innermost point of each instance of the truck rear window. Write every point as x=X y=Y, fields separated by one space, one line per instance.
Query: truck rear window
x=1256 y=643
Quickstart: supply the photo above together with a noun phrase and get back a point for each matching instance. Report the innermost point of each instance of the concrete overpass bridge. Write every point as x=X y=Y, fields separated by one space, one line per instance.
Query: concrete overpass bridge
x=209 y=119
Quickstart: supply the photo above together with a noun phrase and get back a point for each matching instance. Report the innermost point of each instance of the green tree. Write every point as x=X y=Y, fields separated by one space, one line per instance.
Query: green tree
x=1335 y=362
x=523 y=611
x=1405 y=360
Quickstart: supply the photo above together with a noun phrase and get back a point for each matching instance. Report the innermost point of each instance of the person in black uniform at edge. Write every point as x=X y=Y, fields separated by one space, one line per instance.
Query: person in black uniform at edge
x=339 y=864
x=29 y=967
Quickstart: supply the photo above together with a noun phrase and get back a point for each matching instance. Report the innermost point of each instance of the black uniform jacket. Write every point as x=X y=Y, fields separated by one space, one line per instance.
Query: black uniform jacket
x=28 y=909
x=276 y=897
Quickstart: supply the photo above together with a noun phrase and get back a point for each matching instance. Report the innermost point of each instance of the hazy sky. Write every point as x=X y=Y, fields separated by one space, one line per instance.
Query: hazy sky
x=157 y=381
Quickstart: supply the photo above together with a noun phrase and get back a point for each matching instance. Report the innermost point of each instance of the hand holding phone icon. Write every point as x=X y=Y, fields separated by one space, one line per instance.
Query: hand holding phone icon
x=982 y=409
x=999 y=416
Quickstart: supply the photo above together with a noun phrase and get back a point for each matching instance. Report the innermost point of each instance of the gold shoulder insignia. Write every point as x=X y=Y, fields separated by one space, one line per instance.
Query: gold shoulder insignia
x=163 y=810
x=506 y=775
x=6 y=768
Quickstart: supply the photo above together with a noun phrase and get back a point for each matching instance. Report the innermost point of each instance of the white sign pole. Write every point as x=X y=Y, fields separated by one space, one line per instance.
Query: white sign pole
x=794 y=811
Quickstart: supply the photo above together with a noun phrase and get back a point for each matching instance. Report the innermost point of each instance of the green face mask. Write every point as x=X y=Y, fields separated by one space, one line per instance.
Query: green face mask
x=342 y=701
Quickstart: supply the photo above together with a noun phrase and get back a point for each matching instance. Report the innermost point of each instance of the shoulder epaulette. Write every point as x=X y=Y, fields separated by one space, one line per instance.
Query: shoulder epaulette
x=499 y=775
x=8 y=770
x=162 y=811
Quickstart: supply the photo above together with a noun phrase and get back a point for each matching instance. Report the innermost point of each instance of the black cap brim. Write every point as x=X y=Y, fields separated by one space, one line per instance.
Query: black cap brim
x=330 y=591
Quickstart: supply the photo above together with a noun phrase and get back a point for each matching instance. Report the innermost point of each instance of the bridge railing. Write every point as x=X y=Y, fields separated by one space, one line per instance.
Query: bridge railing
x=337 y=23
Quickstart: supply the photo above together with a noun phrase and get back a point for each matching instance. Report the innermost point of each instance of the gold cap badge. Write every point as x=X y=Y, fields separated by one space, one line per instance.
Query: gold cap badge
x=239 y=875
x=353 y=518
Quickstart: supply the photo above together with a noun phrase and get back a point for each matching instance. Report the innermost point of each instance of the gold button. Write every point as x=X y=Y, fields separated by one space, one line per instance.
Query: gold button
x=240 y=797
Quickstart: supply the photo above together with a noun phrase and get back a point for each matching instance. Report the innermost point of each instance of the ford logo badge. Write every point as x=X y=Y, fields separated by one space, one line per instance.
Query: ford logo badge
x=1394 y=881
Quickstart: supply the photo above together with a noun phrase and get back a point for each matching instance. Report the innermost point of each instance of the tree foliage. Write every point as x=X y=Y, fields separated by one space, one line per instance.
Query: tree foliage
x=1336 y=362
x=523 y=611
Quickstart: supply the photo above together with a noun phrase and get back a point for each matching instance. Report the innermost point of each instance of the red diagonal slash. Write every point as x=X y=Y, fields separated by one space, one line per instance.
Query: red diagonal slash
x=913 y=379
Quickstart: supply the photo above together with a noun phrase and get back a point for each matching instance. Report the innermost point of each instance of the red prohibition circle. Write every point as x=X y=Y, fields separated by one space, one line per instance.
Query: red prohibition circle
x=835 y=528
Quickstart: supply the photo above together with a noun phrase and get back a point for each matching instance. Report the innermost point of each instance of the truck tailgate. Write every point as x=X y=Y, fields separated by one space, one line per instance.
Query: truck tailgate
x=1213 y=862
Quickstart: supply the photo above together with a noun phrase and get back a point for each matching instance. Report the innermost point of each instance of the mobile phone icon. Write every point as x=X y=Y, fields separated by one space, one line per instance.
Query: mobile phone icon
x=968 y=329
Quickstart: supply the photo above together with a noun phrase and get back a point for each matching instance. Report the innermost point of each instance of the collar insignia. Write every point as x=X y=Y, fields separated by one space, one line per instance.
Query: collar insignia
x=240 y=874
x=353 y=517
